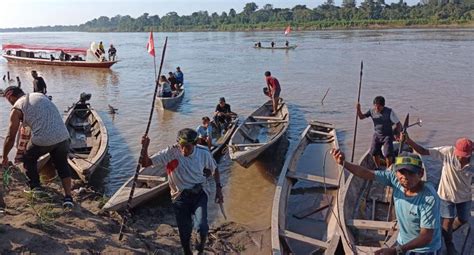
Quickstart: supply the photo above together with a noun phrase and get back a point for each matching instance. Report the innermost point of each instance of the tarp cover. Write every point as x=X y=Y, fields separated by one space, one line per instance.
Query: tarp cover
x=39 y=48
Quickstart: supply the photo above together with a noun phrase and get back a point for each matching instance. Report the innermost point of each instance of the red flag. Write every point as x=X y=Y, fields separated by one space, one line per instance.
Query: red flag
x=150 y=46
x=287 y=30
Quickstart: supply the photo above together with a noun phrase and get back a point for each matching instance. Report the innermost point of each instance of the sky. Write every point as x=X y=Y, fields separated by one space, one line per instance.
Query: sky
x=28 y=13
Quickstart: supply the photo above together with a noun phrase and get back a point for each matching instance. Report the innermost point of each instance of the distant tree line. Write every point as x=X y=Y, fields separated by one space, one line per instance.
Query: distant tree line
x=327 y=15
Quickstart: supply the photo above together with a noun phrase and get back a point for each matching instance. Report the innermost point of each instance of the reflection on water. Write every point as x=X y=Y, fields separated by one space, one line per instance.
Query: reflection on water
x=427 y=73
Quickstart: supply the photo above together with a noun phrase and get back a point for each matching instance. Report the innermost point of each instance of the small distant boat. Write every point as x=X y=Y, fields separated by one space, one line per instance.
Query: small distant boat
x=304 y=215
x=367 y=213
x=291 y=47
x=170 y=102
x=153 y=181
x=89 y=139
x=258 y=132
x=56 y=55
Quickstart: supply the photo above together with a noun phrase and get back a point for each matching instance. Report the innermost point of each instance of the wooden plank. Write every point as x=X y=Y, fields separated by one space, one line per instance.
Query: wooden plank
x=325 y=202
x=320 y=133
x=305 y=239
x=151 y=178
x=265 y=122
x=313 y=178
x=371 y=224
x=266 y=118
x=248 y=144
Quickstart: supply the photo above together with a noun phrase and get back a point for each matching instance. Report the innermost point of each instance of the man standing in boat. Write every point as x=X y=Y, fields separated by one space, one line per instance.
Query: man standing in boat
x=179 y=77
x=222 y=114
x=274 y=89
x=38 y=83
x=384 y=118
x=188 y=167
x=455 y=184
x=112 y=52
x=416 y=203
x=49 y=135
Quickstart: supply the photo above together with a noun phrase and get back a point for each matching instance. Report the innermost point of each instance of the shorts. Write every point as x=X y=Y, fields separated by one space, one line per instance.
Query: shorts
x=276 y=93
x=450 y=210
x=376 y=147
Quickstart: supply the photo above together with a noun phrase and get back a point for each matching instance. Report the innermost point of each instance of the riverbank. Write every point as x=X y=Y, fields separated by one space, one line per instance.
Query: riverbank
x=39 y=225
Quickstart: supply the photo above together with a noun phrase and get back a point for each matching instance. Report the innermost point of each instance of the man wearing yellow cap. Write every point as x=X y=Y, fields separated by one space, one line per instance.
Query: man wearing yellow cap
x=455 y=184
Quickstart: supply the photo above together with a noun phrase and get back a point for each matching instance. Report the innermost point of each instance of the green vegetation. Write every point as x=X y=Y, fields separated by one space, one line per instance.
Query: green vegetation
x=370 y=13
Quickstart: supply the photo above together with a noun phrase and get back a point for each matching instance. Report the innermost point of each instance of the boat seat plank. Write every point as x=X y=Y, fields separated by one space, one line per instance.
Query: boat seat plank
x=371 y=224
x=151 y=178
x=248 y=144
x=266 y=122
x=320 y=133
x=321 y=124
x=266 y=118
x=313 y=178
x=247 y=136
x=305 y=239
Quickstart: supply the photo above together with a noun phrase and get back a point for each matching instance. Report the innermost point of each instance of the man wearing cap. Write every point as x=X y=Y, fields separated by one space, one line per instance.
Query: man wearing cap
x=49 y=135
x=222 y=114
x=188 y=167
x=455 y=184
x=384 y=118
x=416 y=203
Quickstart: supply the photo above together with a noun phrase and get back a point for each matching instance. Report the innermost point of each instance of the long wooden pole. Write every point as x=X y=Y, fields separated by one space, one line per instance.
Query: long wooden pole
x=357 y=117
x=137 y=170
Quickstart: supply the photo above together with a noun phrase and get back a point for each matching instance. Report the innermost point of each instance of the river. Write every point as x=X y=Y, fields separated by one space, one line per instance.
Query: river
x=427 y=73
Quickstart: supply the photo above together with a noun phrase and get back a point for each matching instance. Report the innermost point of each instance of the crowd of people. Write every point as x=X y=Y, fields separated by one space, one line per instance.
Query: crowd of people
x=172 y=85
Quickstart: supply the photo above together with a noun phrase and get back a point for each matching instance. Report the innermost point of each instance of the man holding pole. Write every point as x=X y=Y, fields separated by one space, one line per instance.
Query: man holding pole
x=384 y=118
x=187 y=166
x=455 y=184
x=274 y=90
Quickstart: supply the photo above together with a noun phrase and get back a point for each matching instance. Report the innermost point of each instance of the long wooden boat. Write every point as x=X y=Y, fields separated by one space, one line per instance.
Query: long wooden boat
x=153 y=180
x=63 y=56
x=170 y=102
x=89 y=139
x=258 y=132
x=368 y=218
x=291 y=47
x=304 y=214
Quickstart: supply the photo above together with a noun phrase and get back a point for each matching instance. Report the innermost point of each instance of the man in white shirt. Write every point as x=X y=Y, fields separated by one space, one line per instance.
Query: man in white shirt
x=188 y=167
x=455 y=184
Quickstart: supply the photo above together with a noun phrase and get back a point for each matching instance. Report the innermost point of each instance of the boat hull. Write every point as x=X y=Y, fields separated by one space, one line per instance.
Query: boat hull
x=170 y=102
x=35 y=61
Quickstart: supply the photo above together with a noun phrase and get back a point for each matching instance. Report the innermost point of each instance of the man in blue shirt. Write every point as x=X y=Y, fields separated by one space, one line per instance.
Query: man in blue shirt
x=179 y=77
x=205 y=133
x=416 y=203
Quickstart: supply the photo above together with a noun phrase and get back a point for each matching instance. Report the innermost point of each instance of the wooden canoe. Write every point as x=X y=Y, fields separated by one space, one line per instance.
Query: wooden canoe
x=304 y=214
x=258 y=132
x=170 y=102
x=43 y=61
x=291 y=47
x=89 y=140
x=367 y=213
x=153 y=180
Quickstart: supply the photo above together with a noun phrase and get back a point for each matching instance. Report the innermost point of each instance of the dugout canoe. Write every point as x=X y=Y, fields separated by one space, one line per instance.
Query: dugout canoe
x=367 y=213
x=258 y=132
x=89 y=139
x=153 y=180
x=170 y=102
x=291 y=47
x=304 y=214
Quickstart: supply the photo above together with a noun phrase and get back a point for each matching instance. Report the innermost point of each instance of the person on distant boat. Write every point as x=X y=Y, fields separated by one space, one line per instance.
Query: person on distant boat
x=274 y=90
x=223 y=114
x=455 y=184
x=51 y=57
x=112 y=52
x=259 y=44
x=38 y=83
x=205 y=133
x=416 y=203
x=49 y=135
x=287 y=44
x=188 y=167
x=179 y=77
x=62 y=55
x=173 y=81
x=101 y=47
x=384 y=118
x=165 y=87
x=272 y=44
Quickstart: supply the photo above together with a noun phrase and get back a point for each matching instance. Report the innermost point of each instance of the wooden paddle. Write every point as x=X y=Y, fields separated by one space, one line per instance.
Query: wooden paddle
x=357 y=117
x=137 y=170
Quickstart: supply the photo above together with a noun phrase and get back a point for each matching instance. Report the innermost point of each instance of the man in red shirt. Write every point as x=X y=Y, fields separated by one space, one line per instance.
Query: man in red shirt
x=274 y=90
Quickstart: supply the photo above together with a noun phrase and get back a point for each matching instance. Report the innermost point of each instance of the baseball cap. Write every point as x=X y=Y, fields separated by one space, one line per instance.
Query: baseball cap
x=408 y=161
x=463 y=148
x=187 y=136
x=222 y=99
